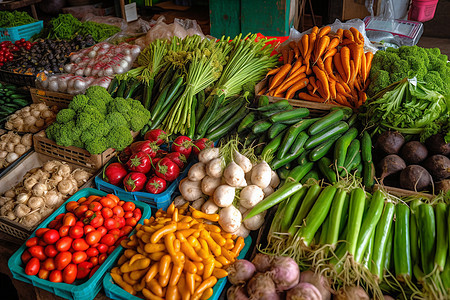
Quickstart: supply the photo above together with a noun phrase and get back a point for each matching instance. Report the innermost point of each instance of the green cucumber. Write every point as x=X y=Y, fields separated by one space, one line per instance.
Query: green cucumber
x=366 y=147
x=291 y=136
x=299 y=172
x=332 y=131
x=341 y=147
x=272 y=147
x=302 y=137
x=275 y=129
x=261 y=126
x=326 y=121
x=245 y=123
x=277 y=163
x=263 y=101
x=326 y=168
x=311 y=174
x=228 y=126
x=289 y=115
x=282 y=104
x=322 y=150
x=352 y=152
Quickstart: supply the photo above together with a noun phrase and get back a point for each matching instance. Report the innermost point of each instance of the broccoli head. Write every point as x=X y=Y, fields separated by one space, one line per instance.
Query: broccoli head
x=98 y=103
x=88 y=116
x=119 y=138
x=65 y=135
x=65 y=115
x=116 y=119
x=139 y=119
x=119 y=105
x=98 y=92
x=95 y=131
x=52 y=131
x=78 y=102
x=97 y=146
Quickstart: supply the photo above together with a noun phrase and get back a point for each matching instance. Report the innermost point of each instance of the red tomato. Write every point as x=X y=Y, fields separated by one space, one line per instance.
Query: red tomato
x=25 y=257
x=107 y=202
x=128 y=214
x=88 y=228
x=88 y=214
x=40 y=232
x=53 y=224
x=177 y=158
x=51 y=236
x=107 y=212
x=80 y=224
x=49 y=264
x=102 y=248
x=94 y=260
x=83 y=269
x=158 y=136
x=126 y=229
x=32 y=242
x=55 y=276
x=131 y=222
x=102 y=230
x=121 y=203
x=38 y=252
x=64 y=244
x=43 y=274
x=32 y=267
x=69 y=219
x=128 y=206
x=139 y=162
x=72 y=205
x=102 y=258
x=70 y=273
x=76 y=232
x=134 y=181
x=64 y=231
x=92 y=252
x=118 y=211
x=42 y=243
x=97 y=221
x=155 y=185
x=93 y=271
x=79 y=257
x=95 y=206
x=80 y=210
x=111 y=223
x=115 y=232
x=167 y=169
x=63 y=259
x=183 y=145
x=108 y=239
x=93 y=237
x=137 y=214
x=51 y=251
x=80 y=245
x=120 y=220
x=201 y=144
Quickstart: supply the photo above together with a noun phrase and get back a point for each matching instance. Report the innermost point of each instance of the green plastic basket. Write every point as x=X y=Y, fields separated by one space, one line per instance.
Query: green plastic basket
x=20 y=32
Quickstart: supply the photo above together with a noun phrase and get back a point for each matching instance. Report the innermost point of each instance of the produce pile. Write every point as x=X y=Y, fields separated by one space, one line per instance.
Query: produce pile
x=67 y=27
x=7 y=49
x=41 y=191
x=13 y=146
x=15 y=18
x=96 y=121
x=32 y=118
x=77 y=242
x=176 y=253
x=336 y=61
x=12 y=99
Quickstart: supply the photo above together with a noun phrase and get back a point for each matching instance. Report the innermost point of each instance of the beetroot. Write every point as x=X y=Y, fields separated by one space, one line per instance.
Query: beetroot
x=438 y=166
x=437 y=145
x=318 y=281
x=391 y=164
x=390 y=142
x=262 y=262
x=304 y=291
x=237 y=292
x=415 y=178
x=414 y=152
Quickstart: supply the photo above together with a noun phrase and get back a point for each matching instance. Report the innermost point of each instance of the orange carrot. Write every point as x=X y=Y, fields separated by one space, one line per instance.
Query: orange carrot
x=340 y=33
x=315 y=30
x=363 y=68
x=296 y=87
x=349 y=35
x=320 y=64
x=355 y=34
x=312 y=40
x=262 y=91
x=322 y=77
x=324 y=31
x=296 y=66
x=294 y=47
x=290 y=56
x=330 y=53
x=332 y=85
x=369 y=56
x=346 y=42
x=309 y=87
x=363 y=96
x=307 y=97
x=308 y=71
x=288 y=83
x=273 y=71
x=312 y=81
x=321 y=91
x=338 y=64
x=352 y=71
x=305 y=44
x=329 y=68
x=345 y=86
x=278 y=78
x=341 y=90
x=285 y=55
x=345 y=60
x=356 y=52
x=322 y=45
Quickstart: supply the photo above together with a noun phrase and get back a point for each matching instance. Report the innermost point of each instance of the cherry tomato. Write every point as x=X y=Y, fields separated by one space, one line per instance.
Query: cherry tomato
x=43 y=274
x=126 y=230
x=92 y=252
x=51 y=236
x=25 y=257
x=80 y=245
x=76 y=232
x=80 y=224
x=33 y=266
x=50 y=251
x=94 y=260
x=107 y=202
x=55 y=276
x=107 y=212
x=102 y=248
x=131 y=222
x=79 y=257
x=121 y=203
x=64 y=231
x=128 y=214
x=63 y=259
x=72 y=206
x=137 y=214
x=49 y=264
x=93 y=237
x=118 y=211
x=108 y=239
x=80 y=210
x=95 y=206
x=64 y=244
x=69 y=219
x=97 y=221
x=42 y=243
x=102 y=230
x=32 y=242
x=83 y=269
x=40 y=232
x=129 y=206
x=38 y=252
x=102 y=258
x=93 y=271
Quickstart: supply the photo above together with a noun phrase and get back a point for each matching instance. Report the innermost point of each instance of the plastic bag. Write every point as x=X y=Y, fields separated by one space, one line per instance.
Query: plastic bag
x=69 y=83
x=295 y=35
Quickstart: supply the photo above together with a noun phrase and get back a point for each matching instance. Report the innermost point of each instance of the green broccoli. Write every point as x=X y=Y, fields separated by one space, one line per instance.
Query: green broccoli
x=116 y=119
x=65 y=135
x=119 y=105
x=95 y=131
x=89 y=115
x=119 y=138
x=98 y=92
x=78 y=102
x=98 y=103
x=97 y=146
x=65 y=115
x=139 y=119
x=52 y=131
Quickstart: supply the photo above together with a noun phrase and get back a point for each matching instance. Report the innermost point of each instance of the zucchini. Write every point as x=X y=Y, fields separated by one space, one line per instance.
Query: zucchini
x=341 y=147
x=326 y=168
x=332 y=131
x=275 y=129
x=226 y=113
x=289 y=115
x=291 y=136
x=299 y=172
x=246 y=122
x=322 y=150
x=427 y=236
x=279 y=105
x=311 y=174
x=402 y=248
x=366 y=147
x=352 y=151
x=326 y=121
x=277 y=163
x=228 y=126
x=302 y=137
x=272 y=146
x=261 y=126
x=263 y=101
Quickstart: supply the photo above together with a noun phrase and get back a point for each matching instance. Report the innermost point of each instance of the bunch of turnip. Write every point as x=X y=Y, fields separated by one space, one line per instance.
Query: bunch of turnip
x=41 y=191
x=229 y=183
x=13 y=146
x=32 y=118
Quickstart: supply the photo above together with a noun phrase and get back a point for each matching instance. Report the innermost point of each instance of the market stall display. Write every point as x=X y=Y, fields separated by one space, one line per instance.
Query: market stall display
x=31 y=118
x=13 y=146
x=12 y=99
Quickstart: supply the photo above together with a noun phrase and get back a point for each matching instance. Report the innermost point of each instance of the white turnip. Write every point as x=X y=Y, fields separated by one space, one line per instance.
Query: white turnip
x=261 y=175
x=214 y=168
x=209 y=207
x=240 y=271
x=262 y=287
x=230 y=218
x=255 y=222
x=197 y=172
x=243 y=161
x=250 y=196
x=318 y=281
x=224 y=195
x=303 y=291
x=208 y=154
x=209 y=185
x=267 y=191
x=190 y=190
x=234 y=175
x=274 y=180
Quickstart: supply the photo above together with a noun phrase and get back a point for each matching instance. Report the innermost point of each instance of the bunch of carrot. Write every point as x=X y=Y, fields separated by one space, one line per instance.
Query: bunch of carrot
x=323 y=66
x=176 y=255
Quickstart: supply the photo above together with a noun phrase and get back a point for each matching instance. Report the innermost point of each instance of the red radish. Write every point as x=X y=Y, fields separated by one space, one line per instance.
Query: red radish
x=183 y=144
x=145 y=146
x=167 y=169
x=140 y=162
x=158 y=136
x=134 y=182
x=114 y=173
x=156 y=185
x=177 y=158
x=201 y=144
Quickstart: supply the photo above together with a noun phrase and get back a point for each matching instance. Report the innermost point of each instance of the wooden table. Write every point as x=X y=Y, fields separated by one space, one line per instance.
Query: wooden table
x=13 y=5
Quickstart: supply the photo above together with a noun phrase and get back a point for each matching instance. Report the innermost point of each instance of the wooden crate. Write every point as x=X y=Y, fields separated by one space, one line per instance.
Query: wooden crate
x=401 y=192
x=61 y=100
x=315 y=109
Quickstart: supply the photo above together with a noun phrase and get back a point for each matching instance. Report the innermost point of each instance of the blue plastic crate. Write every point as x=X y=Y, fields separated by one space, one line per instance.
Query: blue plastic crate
x=20 y=32
x=158 y=201
x=115 y=292
x=80 y=289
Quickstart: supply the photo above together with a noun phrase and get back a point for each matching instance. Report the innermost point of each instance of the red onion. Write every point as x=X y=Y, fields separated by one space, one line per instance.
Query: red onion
x=303 y=291
x=262 y=262
x=319 y=281
x=284 y=273
x=241 y=271
x=262 y=287
x=237 y=292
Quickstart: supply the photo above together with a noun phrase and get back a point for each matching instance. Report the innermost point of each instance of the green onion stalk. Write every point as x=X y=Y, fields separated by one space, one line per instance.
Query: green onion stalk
x=205 y=67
